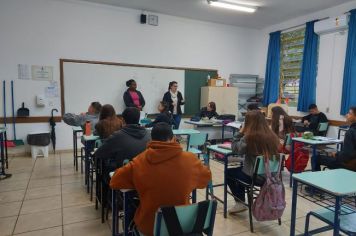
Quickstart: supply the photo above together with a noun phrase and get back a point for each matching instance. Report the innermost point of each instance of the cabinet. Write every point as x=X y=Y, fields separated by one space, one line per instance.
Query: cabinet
x=250 y=90
x=224 y=97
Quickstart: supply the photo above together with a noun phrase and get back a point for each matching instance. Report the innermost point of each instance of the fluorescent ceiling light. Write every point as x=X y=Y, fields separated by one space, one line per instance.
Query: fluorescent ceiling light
x=228 y=5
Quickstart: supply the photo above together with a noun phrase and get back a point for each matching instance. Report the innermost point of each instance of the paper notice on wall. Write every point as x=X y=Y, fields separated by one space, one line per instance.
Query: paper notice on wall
x=42 y=73
x=23 y=71
x=52 y=91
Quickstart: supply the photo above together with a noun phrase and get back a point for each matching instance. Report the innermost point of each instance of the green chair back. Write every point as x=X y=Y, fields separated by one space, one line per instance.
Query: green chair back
x=323 y=127
x=195 y=140
x=98 y=143
x=273 y=165
x=187 y=216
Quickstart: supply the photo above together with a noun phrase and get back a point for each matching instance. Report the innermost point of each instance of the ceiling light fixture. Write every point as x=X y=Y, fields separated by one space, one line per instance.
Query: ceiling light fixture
x=233 y=6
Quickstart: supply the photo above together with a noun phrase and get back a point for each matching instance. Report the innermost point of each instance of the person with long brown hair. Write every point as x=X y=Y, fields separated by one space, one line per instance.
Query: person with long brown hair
x=254 y=139
x=108 y=122
x=209 y=111
x=282 y=123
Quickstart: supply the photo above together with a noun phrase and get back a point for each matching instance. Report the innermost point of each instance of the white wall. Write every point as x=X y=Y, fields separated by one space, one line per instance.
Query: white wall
x=40 y=32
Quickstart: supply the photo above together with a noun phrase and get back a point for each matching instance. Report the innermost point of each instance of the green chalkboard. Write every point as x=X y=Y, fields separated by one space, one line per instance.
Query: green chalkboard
x=194 y=80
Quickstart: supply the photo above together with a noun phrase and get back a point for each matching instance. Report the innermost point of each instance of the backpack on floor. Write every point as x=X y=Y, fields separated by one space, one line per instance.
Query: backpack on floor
x=270 y=202
x=301 y=158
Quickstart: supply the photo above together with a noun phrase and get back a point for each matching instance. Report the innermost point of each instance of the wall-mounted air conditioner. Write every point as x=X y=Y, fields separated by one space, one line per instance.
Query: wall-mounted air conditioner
x=331 y=25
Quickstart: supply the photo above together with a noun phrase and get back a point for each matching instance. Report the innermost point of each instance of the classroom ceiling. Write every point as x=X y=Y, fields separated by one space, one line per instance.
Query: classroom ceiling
x=270 y=12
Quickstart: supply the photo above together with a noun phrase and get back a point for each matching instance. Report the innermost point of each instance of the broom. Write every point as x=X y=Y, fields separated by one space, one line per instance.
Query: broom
x=17 y=142
x=7 y=143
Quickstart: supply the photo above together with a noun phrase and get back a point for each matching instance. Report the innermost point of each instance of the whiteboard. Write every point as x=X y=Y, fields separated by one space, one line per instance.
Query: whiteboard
x=85 y=83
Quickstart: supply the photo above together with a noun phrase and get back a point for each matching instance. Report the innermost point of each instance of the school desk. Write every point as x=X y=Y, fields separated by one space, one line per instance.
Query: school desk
x=76 y=130
x=89 y=142
x=314 y=143
x=337 y=201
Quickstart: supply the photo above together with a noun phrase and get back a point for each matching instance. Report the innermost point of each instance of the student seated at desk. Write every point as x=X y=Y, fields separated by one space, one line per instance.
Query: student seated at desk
x=79 y=120
x=125 y=143
x=163 y=116
x=209 y=111
x=254 y=139
x=282 y=123
x=163 y=175
x=108 y=122
x=346 y=158
x=253 y=107
x=312 y=120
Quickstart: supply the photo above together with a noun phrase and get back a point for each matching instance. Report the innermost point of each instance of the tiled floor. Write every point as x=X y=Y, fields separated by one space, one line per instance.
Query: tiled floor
x=47 y=197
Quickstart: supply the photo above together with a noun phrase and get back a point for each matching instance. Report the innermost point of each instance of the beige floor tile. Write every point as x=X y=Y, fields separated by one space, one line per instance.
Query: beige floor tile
x=44 y=174
x=7 y=225
x=12 y=196
x=75 y=178
x=228 y=226
x=275 y=230
x=76 y=187
x=68 y=171
x=74 y=199
x=87 y=228
x=24 y=176
x=6 y=185
x=33 y=193
x=10 y=209
x=37 y=183
x=300 y=224
x=38 y=220
x=55 y=231
x=41 y=204
x=80 y=213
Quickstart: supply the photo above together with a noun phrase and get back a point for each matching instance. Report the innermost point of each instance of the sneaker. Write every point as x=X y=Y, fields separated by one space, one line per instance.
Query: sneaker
x=239 y=207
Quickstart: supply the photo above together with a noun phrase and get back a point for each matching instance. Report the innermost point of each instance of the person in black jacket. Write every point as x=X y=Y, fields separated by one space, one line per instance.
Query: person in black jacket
x=164 y=116
x=133 y=97
x=209 y=111
x=126 y=143
x=348 y=152
x=312 y=120
x=175 y=100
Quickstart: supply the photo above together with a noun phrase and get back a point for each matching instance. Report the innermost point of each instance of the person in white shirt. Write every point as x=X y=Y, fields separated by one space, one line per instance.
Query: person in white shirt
x=175 y=100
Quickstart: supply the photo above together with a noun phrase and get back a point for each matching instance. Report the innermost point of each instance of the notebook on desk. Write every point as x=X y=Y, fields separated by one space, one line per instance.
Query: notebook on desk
x=225 y=146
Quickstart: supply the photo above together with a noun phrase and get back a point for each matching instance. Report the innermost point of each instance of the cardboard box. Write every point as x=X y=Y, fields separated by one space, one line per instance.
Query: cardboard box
x=217 y=82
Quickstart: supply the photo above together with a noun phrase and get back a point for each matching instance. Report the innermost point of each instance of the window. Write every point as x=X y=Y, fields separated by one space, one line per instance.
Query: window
x=292 y=46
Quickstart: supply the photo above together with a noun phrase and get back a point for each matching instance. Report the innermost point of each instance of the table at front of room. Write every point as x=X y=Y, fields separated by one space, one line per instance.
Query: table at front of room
x=3 y=153
x=89 y=142
x=212 y=128
x=225 y=160
x=339 y=214
x=76 y=131
x=314 y=143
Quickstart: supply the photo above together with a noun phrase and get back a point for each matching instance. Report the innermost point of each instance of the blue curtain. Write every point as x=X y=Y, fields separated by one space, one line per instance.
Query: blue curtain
x=271 y=88
x=349 y=84
x=307 y=82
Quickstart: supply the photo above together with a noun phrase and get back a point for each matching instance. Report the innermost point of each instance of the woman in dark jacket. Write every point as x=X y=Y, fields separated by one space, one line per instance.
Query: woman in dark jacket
x=133 y=97
x=175 y=100
x=164 y=115
x=209 y=111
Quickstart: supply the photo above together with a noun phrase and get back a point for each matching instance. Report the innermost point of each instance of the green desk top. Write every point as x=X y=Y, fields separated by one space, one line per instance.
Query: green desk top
x=185 y=131
x=339 y=182
x=223 y=151
x=77 y=128
x=318 y=140
x=90 y=137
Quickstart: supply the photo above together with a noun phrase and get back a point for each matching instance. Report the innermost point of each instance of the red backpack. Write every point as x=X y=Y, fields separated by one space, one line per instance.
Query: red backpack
x=301 y=157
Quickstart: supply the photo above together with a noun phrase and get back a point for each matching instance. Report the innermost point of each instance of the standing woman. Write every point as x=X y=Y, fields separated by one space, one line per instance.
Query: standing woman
x=133 y=97
x=175 y=100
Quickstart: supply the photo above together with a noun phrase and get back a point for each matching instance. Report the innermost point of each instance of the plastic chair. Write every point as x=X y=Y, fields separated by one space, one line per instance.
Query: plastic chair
x=196 y=140
x=253 y=188
x=187 y=216
x=323 y=128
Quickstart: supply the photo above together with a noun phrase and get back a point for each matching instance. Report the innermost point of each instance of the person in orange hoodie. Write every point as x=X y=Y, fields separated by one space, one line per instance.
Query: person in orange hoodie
x=162 y=175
